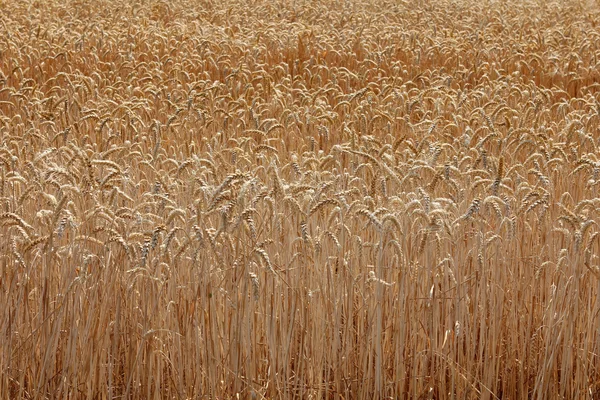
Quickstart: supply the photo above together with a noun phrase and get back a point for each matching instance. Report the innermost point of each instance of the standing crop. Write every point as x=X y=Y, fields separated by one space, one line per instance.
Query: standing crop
x=361 y=199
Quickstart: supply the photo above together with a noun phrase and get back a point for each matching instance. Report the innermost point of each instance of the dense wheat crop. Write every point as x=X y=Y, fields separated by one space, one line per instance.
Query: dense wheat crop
x=299 y=199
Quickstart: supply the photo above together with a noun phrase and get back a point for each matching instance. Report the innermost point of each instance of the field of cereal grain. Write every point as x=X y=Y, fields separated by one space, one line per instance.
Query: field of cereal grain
x=362 y=199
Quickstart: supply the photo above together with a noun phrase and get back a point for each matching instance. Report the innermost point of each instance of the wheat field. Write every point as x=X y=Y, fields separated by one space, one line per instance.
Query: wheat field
x=252 y=199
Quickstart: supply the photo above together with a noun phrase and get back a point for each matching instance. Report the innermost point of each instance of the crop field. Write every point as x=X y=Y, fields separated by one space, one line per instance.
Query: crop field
x=256 y=199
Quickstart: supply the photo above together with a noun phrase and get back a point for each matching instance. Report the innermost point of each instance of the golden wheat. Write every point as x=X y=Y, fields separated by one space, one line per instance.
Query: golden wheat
x=364 y=199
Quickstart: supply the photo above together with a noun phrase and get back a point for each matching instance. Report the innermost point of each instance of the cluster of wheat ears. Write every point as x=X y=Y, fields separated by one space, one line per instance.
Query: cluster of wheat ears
x=258 y=199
